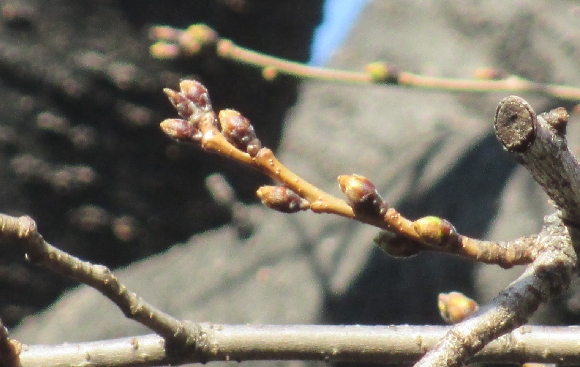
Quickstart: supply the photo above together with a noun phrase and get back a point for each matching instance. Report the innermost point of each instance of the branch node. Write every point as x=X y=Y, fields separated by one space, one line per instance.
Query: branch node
x=557 y=119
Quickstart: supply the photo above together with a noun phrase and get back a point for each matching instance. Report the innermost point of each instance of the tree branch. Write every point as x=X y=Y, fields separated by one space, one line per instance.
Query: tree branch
x=549 y=275
x=41 y=253
x=376 y=344
x=231 y=135
x=539 y=144
x=171 y=43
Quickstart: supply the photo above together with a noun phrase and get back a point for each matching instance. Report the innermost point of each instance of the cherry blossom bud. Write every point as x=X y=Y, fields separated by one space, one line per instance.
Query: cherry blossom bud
x=362 y=194
x=382 y=72
x=282 y=199
x=455 y=307
x=396 y=246
x=238 y=131
x=434 y=231
x=192 y=101
x=196 y=93
x=181 y=130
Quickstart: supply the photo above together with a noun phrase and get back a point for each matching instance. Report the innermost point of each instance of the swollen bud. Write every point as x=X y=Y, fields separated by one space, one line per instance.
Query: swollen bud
x=181 y=130
x=362 y=195
x=382 y=72
x=239 y=131
x=455 y=307
x=196 y=93
x=434 y=231
x=396 y=246
x=192 y=101
x=282 y=199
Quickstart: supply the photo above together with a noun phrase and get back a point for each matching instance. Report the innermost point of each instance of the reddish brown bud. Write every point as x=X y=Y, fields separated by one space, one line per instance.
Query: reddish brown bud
x=434 y=231
x=192 y=102
x=362 y=194
x=455 y=307
x=239 y=131
x=164 y=33
x=181 y=130
x=282 y=199
x=196 y=93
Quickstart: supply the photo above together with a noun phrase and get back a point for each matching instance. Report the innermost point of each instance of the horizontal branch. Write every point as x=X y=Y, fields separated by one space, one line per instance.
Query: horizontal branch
x=384 y=344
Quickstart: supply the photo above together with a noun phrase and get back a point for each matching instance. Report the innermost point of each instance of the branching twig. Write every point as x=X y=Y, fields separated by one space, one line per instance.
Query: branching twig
x=39 y=252
x=549 y=275
x=538 y=143
x=173 y=42
x=231 y=134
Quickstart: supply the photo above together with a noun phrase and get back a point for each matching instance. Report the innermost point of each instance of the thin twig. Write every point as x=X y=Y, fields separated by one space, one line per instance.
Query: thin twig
x=172 y=42
x=231 y=135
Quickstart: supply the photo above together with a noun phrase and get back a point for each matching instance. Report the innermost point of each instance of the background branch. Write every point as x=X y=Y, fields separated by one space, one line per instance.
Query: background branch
x=173 y=42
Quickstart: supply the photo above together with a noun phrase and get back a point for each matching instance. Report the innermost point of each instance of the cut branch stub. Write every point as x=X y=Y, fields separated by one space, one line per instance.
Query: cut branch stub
x=540 y=145
x=515 y=123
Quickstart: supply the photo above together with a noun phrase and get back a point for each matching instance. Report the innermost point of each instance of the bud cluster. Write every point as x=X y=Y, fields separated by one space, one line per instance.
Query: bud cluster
x=193 y=104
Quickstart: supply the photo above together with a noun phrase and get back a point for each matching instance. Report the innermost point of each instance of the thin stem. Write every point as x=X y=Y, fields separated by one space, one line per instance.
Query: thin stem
x=174 y=42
